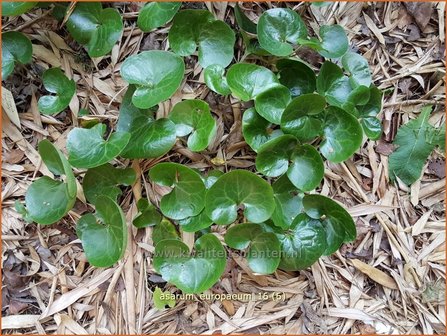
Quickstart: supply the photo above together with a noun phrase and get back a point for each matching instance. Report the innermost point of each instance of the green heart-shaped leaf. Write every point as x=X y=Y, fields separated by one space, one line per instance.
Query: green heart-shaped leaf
x=164 y=230
x=149 y=138
x=243 y=21
x=49 y=200
x=368 y=112
x=273 y=157
x=374 y=104
x=358 y=97
x=157 y=75
x=263 y=254
x=188 y=194
x=303 y=245
x=334 y=42
x=358 y=68
x=239 y=188
x=297 y=76
x=239 y=236
x=195 y=223
x=336 y=221
x=271 y=103
x=277 y=28
x=147 y=215
x=246 y=81
x=298 y=117
x=302 y=163
x=12 y=8
x=56 y=82
x=256 y=130
x=333 y=85
x=306 y=169
x=193 y=118
x=342 y=135
x=96 y=28
x=191 y=274
x=156 y=14
x=215 y=79
x=16 y=47
x=198 y=27
x=87 y=147
x=288 y=201
x=372 y=127
x=104 y=181
x=185 y=30
x=103 y=234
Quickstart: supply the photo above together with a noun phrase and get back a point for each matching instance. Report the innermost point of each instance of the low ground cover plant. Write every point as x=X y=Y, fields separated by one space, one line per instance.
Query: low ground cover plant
x=300 y=117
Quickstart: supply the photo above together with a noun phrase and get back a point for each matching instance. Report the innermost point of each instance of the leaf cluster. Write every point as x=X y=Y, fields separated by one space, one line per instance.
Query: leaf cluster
x=298 y=119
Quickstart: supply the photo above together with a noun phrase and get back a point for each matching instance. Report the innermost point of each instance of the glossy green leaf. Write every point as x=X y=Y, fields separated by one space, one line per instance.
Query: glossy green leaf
x=303 y=244
x=104 y=181
x=372 y=127
x=243 y=21
x=342 y=135
x=163 y=231
x=306 y=169
x=415 y=140
x=273 y=157
x=235 y=189
x=195 y=223
x=64 y=89
x=185 y=30
x=333 y=44
x=156 y=14
x=358 y=67
x=263 y=248
x=96 y=28
x=147 y=215
x=163 y=299
x=338 y=224
x=288 y=201
x=256 y=130
x=374 y=105
x=103 y=234
x=188 y=194
x=299 y=117
x=193 y=118
x=149 y=138
x=215 y=39
x=277 y=28
x=333 y=85
x=359 y=96
x=16 y=48
x=297 y=76
x=48 y=200
x=12 y=8
x=264 y=254
x=252 y=45
x=239 y=236
x=302 y=163
x=87 y=147
x=157 y=75
x=246 y=80
x=270 y=104
x=215 y=79
x=191 y=274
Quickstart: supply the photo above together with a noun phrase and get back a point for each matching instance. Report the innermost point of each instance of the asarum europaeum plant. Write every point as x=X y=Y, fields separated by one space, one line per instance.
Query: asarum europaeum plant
x=299 y=119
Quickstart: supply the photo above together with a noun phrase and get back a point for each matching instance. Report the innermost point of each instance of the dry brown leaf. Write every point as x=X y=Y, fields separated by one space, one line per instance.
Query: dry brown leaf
x=375 y=274
x=9 y=107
